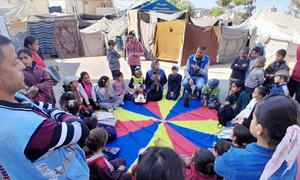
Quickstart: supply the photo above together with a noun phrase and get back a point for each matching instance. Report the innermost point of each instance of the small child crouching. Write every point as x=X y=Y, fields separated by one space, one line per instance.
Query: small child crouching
x=240 y=136
x=210 y=94
x=100 y=167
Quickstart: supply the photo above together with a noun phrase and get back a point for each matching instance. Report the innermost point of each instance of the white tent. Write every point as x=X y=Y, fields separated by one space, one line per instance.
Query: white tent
x=282 y=30
x=95 y=36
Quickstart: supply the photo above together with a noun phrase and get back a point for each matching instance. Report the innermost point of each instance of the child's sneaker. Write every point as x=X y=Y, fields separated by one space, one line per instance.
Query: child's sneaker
x=110 y=110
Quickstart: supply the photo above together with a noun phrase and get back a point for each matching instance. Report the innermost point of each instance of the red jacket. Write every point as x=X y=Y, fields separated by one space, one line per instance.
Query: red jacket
x=296 y=71
x=39 y=61
x=192 y=174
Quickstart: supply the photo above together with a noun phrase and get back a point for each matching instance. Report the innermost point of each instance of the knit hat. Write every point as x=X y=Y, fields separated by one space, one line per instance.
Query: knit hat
x=69 y=79
x=282 y=73
x=213 y=83
x=138 y=69
x=175 y=67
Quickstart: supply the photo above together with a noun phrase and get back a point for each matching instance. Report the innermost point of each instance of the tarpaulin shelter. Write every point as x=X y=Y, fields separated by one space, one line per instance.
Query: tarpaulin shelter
x=282 y=30
x=177 y=40
x=232 y=41
x=95 y=37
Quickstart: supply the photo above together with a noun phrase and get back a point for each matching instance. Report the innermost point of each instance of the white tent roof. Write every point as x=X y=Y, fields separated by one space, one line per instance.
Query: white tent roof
x=274 y=25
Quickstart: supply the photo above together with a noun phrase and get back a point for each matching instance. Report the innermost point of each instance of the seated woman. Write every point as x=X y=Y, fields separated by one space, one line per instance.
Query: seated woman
x=155 y=80
x=275 y=125
x=37 y=80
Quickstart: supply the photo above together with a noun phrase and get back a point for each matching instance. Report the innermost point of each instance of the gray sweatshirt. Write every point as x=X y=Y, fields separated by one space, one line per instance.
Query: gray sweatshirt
x=255 y=78
x=113 y=57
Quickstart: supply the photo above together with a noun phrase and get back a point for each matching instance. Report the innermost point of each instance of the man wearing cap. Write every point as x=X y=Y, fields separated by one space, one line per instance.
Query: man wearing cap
x=196 y=71
x=37 y=141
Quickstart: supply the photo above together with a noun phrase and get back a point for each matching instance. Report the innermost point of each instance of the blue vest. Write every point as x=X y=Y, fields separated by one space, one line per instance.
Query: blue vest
x=192 y=60
x=16 y=128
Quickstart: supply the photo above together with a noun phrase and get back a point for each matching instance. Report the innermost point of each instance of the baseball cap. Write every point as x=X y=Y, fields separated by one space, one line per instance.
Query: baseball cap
x=69 y=79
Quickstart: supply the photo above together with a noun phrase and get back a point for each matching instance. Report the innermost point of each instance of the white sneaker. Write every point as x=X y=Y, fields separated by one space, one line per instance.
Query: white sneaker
x=110 y=110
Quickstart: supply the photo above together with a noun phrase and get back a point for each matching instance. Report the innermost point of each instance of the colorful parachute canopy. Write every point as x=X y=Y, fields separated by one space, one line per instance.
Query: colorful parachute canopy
x=164 y=123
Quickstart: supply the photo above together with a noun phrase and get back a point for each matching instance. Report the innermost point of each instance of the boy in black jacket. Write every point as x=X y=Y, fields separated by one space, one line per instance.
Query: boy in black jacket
x=174 y=84
x=239 y=67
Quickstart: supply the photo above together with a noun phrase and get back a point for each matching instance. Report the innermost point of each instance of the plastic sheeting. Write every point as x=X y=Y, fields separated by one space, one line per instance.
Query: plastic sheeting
x=95 y=36
x=194 y=36
x=147 y=37
x=231 y=43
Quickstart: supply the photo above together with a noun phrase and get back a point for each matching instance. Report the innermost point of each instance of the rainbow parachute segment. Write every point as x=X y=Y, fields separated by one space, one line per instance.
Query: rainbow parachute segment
x=164 y=123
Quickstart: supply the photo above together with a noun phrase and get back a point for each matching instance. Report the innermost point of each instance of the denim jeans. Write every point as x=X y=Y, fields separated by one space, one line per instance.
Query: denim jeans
x=198 y=81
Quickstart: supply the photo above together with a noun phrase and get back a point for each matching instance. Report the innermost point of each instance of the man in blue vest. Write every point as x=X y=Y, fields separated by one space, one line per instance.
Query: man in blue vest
x=196 y=71
x=37 y=140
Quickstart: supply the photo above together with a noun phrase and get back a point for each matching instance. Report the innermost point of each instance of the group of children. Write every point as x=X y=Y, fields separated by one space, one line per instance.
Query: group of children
x=260 y=152
x=261 y=120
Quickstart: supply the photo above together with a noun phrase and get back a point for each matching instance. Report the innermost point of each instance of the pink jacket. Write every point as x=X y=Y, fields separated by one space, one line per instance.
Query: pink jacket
x=134 y=52
x=296 y=71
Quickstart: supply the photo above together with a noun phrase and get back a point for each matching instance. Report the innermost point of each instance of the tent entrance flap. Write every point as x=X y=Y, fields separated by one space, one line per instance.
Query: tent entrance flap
x=169 y=40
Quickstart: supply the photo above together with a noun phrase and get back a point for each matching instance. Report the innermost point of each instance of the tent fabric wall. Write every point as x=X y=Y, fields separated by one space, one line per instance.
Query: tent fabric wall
x=231 y=43
x=194 y=36
x=97 y=35
x=133 y=22
x=93 y=44
x=168 y=40
x=43 y=30
x=147 y=37
x=66 y=38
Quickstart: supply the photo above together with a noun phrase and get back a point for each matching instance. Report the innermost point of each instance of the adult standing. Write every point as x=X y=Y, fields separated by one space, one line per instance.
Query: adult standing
x=196 y=71
x=37 y=141
x=155 y=81
x=134 y=51
x=294 y=83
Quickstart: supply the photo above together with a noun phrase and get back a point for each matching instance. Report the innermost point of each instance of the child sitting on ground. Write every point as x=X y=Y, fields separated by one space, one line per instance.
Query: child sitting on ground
x=137 y=85
x=258 y=94
x=221 y=147
x=210 y=94
x=256 y=76
x=118 y=85
x=279 y=64
x=174 y=84
x=275 y=125
x=201 y=166
x=240 y=136
x=160 y=163
x=280 y=80
x=113 y=57
x=239 y=67
x=100 y=167
x=106 y=98
x=87 y=91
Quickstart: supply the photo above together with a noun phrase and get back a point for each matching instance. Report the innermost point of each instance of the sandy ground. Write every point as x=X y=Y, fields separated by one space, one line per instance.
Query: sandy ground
x=97 y=67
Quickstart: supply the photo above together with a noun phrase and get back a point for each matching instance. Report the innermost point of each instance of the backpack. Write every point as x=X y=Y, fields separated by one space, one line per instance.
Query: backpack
x=225 y=114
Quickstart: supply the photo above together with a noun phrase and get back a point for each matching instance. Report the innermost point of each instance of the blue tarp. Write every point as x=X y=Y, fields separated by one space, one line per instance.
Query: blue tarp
x=159 y=5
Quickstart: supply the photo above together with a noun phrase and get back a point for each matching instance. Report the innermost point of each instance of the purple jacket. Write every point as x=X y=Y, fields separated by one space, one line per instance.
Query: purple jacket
x=38 y=77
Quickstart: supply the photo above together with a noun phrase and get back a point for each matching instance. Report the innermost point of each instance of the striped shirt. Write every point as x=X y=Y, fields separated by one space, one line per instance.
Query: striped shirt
x=58 y=129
